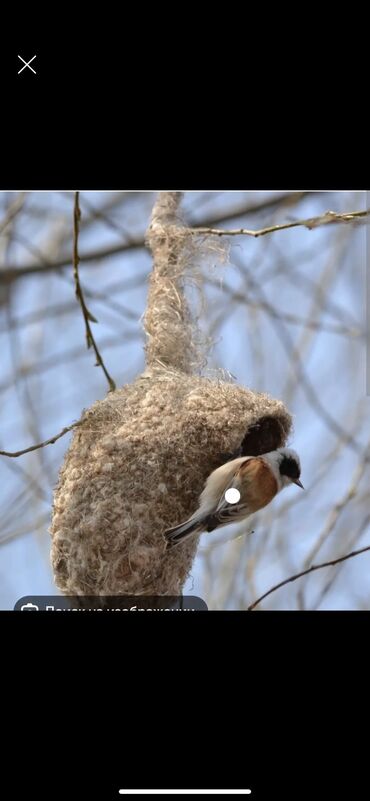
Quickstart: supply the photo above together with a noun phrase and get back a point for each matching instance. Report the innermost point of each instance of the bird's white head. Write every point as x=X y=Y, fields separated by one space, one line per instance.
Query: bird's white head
x=286 y=466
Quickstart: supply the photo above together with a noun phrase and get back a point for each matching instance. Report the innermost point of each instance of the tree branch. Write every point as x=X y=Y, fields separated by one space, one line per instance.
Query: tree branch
x=12 y=211
x=42 y=444
x=304 y=573
x=12 y=273
x=88 y=317
x=286 y=200
x=310 y=222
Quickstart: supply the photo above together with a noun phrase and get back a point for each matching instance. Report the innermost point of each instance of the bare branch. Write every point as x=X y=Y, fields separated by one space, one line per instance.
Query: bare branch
x=88 y=317
x=13 y=210
x=20 y=532
x=12 y=273
x=310 y=222
x=287 y=200
x=243 y=298
x=304 y=573
x=67 y=356
x=42 y=444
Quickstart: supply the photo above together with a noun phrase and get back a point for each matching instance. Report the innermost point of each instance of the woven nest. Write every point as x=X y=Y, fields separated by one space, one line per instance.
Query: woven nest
x=136 y=466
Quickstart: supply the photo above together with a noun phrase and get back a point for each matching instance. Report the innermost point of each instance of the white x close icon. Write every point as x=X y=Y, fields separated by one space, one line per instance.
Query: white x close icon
x=27 y=64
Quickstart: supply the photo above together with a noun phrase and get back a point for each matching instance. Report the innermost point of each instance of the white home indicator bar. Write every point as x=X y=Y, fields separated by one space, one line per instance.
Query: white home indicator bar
x=185 y=792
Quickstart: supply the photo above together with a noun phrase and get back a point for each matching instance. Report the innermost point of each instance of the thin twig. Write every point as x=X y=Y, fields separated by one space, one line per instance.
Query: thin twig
x=41 y=523
x=11 y=273
x=287 y=200
x=310 y=222
x=240 y=297
x=88 y=317
x=53 y=361
x=42 y=444
x=12 y=211
x=304 y=573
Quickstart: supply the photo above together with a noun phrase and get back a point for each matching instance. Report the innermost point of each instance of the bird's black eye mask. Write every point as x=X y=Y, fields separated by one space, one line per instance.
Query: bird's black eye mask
x=289 y=467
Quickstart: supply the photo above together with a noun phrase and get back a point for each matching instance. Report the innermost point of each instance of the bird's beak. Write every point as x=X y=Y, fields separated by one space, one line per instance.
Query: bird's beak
x=298 y=483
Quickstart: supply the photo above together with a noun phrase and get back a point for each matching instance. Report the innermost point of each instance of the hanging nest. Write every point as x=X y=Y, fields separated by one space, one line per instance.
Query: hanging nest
x=139 y=459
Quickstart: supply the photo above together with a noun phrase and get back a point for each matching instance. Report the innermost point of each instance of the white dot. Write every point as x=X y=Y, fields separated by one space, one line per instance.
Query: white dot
x=232 y=495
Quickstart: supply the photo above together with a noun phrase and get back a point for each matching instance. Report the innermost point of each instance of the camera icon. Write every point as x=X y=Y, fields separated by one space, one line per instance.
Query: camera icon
x=29 y=608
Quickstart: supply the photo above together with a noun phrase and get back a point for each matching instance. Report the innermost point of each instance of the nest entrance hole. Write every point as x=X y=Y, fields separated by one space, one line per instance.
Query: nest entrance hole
x=265 y=435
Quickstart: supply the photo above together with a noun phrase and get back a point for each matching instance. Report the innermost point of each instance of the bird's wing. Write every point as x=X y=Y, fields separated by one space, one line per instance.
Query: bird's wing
x=215 y=486
x=256 y=484
x=226 y=512
x=234 y=483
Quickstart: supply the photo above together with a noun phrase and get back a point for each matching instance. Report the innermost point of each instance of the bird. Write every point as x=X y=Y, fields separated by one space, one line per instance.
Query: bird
x=237 y=489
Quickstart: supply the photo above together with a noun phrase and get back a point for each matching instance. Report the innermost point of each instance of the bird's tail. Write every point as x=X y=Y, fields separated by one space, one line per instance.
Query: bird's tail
x=183 y=531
